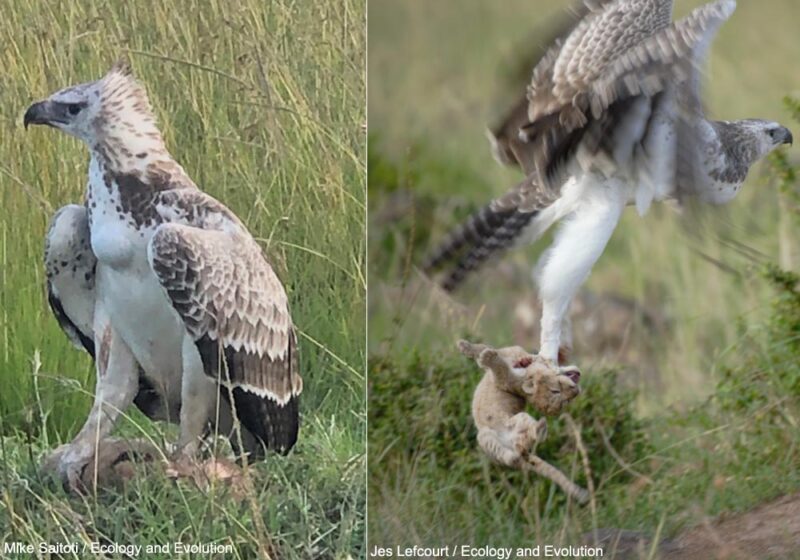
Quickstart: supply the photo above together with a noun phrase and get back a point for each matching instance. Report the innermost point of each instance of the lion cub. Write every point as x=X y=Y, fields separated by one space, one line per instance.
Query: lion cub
x=515 y=378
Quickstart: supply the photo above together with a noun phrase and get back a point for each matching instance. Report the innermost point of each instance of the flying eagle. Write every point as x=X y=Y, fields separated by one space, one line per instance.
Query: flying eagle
x=164 y=287
x=612 y=117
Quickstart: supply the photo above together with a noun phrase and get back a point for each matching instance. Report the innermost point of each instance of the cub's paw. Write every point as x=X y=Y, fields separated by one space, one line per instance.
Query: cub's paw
x=527 y=432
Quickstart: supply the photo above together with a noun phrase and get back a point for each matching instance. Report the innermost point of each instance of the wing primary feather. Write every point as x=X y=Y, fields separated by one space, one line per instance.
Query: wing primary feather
x=274 y=424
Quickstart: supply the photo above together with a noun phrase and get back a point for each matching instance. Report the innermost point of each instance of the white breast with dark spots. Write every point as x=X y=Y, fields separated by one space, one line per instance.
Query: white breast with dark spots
x=115 y=240
x=715 y=184
x=720 y=192
x=728 y=152
x=137 y=305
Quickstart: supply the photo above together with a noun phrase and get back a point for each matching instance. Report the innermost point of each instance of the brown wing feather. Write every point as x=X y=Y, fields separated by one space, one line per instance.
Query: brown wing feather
x=608 y=31
x=666 y=58
x=236 y=310
x=507 y=147
x=572 y=38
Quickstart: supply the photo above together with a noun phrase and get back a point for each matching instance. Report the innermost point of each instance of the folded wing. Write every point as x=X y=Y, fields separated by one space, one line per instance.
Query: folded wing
x=236 y=310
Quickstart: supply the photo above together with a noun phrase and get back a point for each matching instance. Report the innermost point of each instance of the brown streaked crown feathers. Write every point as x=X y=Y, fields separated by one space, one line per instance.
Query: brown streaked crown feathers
x=122 y=66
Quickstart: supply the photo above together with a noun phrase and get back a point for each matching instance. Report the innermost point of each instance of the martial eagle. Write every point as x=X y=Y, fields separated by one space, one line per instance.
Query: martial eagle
x=164 y=287
x=612 y=117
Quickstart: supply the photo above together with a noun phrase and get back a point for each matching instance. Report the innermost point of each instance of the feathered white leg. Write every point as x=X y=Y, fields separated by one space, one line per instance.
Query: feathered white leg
x=205 y=405
x=579 y=243
x=117 y=384
x=566 y=344
x=198 y=399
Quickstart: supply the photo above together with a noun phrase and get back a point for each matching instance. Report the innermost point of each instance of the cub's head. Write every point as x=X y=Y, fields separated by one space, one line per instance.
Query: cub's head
x=546 y=387
x=549 y=389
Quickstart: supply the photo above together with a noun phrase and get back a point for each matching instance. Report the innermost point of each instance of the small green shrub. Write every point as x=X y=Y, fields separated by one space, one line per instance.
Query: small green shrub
x=420 y=411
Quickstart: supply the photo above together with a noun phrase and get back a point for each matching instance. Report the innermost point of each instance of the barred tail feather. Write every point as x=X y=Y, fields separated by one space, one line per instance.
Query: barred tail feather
x=481 y=250
x=479 y=226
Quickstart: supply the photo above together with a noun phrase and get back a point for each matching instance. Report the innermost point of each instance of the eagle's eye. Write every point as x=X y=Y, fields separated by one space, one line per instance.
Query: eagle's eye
x=74 y=108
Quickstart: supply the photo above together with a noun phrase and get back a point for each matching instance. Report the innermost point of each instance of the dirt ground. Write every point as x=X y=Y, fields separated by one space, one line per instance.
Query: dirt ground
x=769 y=532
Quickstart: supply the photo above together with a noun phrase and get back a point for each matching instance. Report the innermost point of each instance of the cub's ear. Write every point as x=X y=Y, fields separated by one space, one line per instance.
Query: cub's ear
x=530 y=384
x=490 y=358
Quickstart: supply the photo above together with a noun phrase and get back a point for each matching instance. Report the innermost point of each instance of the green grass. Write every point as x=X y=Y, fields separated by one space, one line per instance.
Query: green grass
x=263 y=105
x=429 y=166
x=429 y=485
x=669 y=468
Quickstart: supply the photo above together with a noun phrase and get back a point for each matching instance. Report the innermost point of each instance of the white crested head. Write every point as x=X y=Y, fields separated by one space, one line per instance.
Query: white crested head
x=743 y=143
x=111 y=115
x=767 y=135
x=761 y=136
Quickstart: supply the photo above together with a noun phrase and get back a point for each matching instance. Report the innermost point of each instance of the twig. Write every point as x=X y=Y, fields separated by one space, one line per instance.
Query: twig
x=586 y=467
x=613 y=452
x=203 y=67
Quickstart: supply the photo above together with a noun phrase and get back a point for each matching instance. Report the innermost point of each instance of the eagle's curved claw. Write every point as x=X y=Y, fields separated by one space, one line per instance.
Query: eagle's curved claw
x=571 y=372
x=67 y=463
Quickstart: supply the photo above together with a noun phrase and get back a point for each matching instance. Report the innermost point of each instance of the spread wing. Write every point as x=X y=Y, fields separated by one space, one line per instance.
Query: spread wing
x=582 y=87
x=236 y=310
x=572 y=108
x=594 y=98
x=506 y=145
x=607 y=32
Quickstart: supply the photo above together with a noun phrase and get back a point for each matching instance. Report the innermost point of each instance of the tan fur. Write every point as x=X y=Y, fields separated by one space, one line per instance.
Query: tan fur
x=118 y=461
x=513 y=379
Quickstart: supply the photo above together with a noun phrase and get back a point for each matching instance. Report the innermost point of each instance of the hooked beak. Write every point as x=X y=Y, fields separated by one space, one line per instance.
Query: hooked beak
x=787 y=137
x=38 y=113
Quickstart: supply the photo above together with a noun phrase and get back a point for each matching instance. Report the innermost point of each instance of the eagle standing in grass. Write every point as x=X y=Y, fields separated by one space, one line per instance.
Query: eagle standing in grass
x=612 y=117
x=164 y=287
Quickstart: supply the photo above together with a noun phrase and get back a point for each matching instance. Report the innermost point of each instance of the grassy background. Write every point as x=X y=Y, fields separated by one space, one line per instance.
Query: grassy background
x=263 y=104
x=438 y=74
